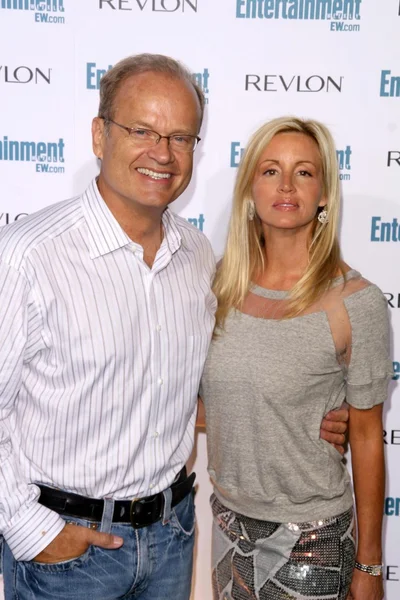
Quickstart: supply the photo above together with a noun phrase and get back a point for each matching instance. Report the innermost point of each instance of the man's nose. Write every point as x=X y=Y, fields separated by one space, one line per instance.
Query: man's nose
x=161 y=152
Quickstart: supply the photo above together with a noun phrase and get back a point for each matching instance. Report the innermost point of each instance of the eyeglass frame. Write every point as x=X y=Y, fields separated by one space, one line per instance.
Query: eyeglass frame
x=160 y=137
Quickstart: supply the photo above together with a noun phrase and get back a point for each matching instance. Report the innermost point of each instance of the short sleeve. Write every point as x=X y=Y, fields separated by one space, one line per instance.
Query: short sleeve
x=370 y=368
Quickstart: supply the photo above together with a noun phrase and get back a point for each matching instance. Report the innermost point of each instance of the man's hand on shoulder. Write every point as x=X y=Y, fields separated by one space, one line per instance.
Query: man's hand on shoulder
x=334 y=428
x=73 y=541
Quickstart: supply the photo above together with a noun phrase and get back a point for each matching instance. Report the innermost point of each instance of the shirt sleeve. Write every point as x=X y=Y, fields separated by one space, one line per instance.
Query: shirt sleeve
x=27 y=526
x=370 y=368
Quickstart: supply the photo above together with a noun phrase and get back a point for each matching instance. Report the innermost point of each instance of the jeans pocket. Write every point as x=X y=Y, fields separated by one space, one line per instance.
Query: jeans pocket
x=71 y=563
x=183 y=515
x=63 y=565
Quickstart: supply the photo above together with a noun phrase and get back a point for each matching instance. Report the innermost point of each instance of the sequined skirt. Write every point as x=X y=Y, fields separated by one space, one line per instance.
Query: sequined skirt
x=263 y=560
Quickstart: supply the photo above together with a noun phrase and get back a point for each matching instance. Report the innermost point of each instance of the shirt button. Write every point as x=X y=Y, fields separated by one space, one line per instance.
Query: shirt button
x=156 y=434
x=158 y=327
x=151 y=486
x=160 y=380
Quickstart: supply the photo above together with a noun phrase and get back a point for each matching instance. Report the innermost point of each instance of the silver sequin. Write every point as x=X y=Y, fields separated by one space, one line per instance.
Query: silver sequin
x=261 y=560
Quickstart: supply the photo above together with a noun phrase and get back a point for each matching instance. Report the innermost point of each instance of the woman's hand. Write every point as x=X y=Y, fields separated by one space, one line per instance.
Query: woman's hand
x=365 y=587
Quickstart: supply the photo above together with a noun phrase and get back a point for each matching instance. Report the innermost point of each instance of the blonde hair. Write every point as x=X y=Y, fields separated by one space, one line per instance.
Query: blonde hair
x=244 y=253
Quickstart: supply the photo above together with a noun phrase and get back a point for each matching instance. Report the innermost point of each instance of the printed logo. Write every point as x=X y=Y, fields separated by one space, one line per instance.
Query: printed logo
x=391 y=437
x=24 y=74
x=396 y=370
x=6 y=218
x=390 y=86
x=344 y=162
x=393 y=158
x=392 y=507
x=46 y=155
x=391 y=572
x=338 y=12
x=94 y=75
x=166 y=6
x=237 y=152
x=393 y=300
x=293 y=83
x=197 y=222
x=202 y=79
x=45 y=11
x=385 y=231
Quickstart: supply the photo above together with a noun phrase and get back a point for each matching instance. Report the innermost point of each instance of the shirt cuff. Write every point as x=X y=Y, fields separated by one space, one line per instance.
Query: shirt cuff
x=33 y=529
x=367 y=395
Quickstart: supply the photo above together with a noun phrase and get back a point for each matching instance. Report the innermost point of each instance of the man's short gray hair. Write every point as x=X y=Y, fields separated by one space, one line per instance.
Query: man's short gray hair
x=142 y=63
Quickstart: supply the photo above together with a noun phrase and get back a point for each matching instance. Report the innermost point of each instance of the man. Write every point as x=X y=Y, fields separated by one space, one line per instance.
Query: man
x=106 y=316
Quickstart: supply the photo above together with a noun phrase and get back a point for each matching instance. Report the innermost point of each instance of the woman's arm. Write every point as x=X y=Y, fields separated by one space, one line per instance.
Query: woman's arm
x=368 y=464
x=201 y=413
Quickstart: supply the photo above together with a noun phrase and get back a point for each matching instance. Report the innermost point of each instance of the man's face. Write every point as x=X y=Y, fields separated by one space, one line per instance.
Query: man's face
x=131 y=174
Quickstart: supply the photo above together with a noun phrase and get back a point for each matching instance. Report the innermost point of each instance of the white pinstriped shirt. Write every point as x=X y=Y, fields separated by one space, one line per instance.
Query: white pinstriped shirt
x=100 y=360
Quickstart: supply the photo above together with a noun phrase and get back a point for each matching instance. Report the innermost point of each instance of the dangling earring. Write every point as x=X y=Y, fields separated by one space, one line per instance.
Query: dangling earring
x=323 y=216
x=251 y=210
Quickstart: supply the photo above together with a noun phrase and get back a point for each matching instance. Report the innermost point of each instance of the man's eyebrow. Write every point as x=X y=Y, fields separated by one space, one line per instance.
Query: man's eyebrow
x=140 y=125
x=144 y=125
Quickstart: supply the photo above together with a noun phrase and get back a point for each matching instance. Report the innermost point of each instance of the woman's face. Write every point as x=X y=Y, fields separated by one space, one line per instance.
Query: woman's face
x=288 y=186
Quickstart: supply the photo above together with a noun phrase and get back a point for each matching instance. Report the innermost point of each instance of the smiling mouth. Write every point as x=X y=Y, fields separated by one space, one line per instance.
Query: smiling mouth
x=153 y=174
x=285 y=205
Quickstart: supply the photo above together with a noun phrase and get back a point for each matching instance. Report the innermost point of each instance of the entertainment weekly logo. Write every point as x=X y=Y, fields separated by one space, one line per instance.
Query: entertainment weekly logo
x=392 y=507
x=47 y=157
x=385 y=231
x=24 y=74
x=156 y=6
x=94 y=75
x=344 y=157
x=396 y=370
x=389 y=85
x=44 y=11
x=342 y=15
x=197 y=222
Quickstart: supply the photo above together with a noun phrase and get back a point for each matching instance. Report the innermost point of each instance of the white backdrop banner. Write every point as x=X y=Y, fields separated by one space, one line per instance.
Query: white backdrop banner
x=334 y=60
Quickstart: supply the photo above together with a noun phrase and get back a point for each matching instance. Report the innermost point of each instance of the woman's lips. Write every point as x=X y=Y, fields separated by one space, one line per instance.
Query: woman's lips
x=285 y=206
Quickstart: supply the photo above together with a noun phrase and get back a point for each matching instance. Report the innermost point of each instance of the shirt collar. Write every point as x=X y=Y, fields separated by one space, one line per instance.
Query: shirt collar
x=172 y=234
x=107 y=235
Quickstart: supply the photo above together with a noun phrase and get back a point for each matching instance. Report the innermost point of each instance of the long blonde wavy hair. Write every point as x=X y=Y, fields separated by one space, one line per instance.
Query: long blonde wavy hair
x=244 y=255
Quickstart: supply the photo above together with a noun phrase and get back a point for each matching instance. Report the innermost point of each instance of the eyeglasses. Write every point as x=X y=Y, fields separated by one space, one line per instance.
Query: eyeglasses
x=146 y=138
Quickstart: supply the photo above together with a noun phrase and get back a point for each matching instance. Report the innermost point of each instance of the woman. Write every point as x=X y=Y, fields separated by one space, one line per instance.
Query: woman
x=297 y=331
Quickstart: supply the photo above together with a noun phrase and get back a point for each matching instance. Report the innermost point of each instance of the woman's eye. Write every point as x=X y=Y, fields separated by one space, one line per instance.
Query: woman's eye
x=270 y=172
x=306 y=173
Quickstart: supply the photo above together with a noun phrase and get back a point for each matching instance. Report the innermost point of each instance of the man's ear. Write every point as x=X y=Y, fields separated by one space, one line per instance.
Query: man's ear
x=98 y=134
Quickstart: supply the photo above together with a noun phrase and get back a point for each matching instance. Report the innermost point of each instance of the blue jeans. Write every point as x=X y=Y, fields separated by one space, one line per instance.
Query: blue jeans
x=155 y=563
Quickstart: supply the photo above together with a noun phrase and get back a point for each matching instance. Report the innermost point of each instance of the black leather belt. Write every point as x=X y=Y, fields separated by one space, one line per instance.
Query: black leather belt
x=139 y=512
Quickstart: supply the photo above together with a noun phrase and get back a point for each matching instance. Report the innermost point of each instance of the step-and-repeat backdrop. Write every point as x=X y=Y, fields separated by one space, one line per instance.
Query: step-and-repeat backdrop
x=334 y=60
